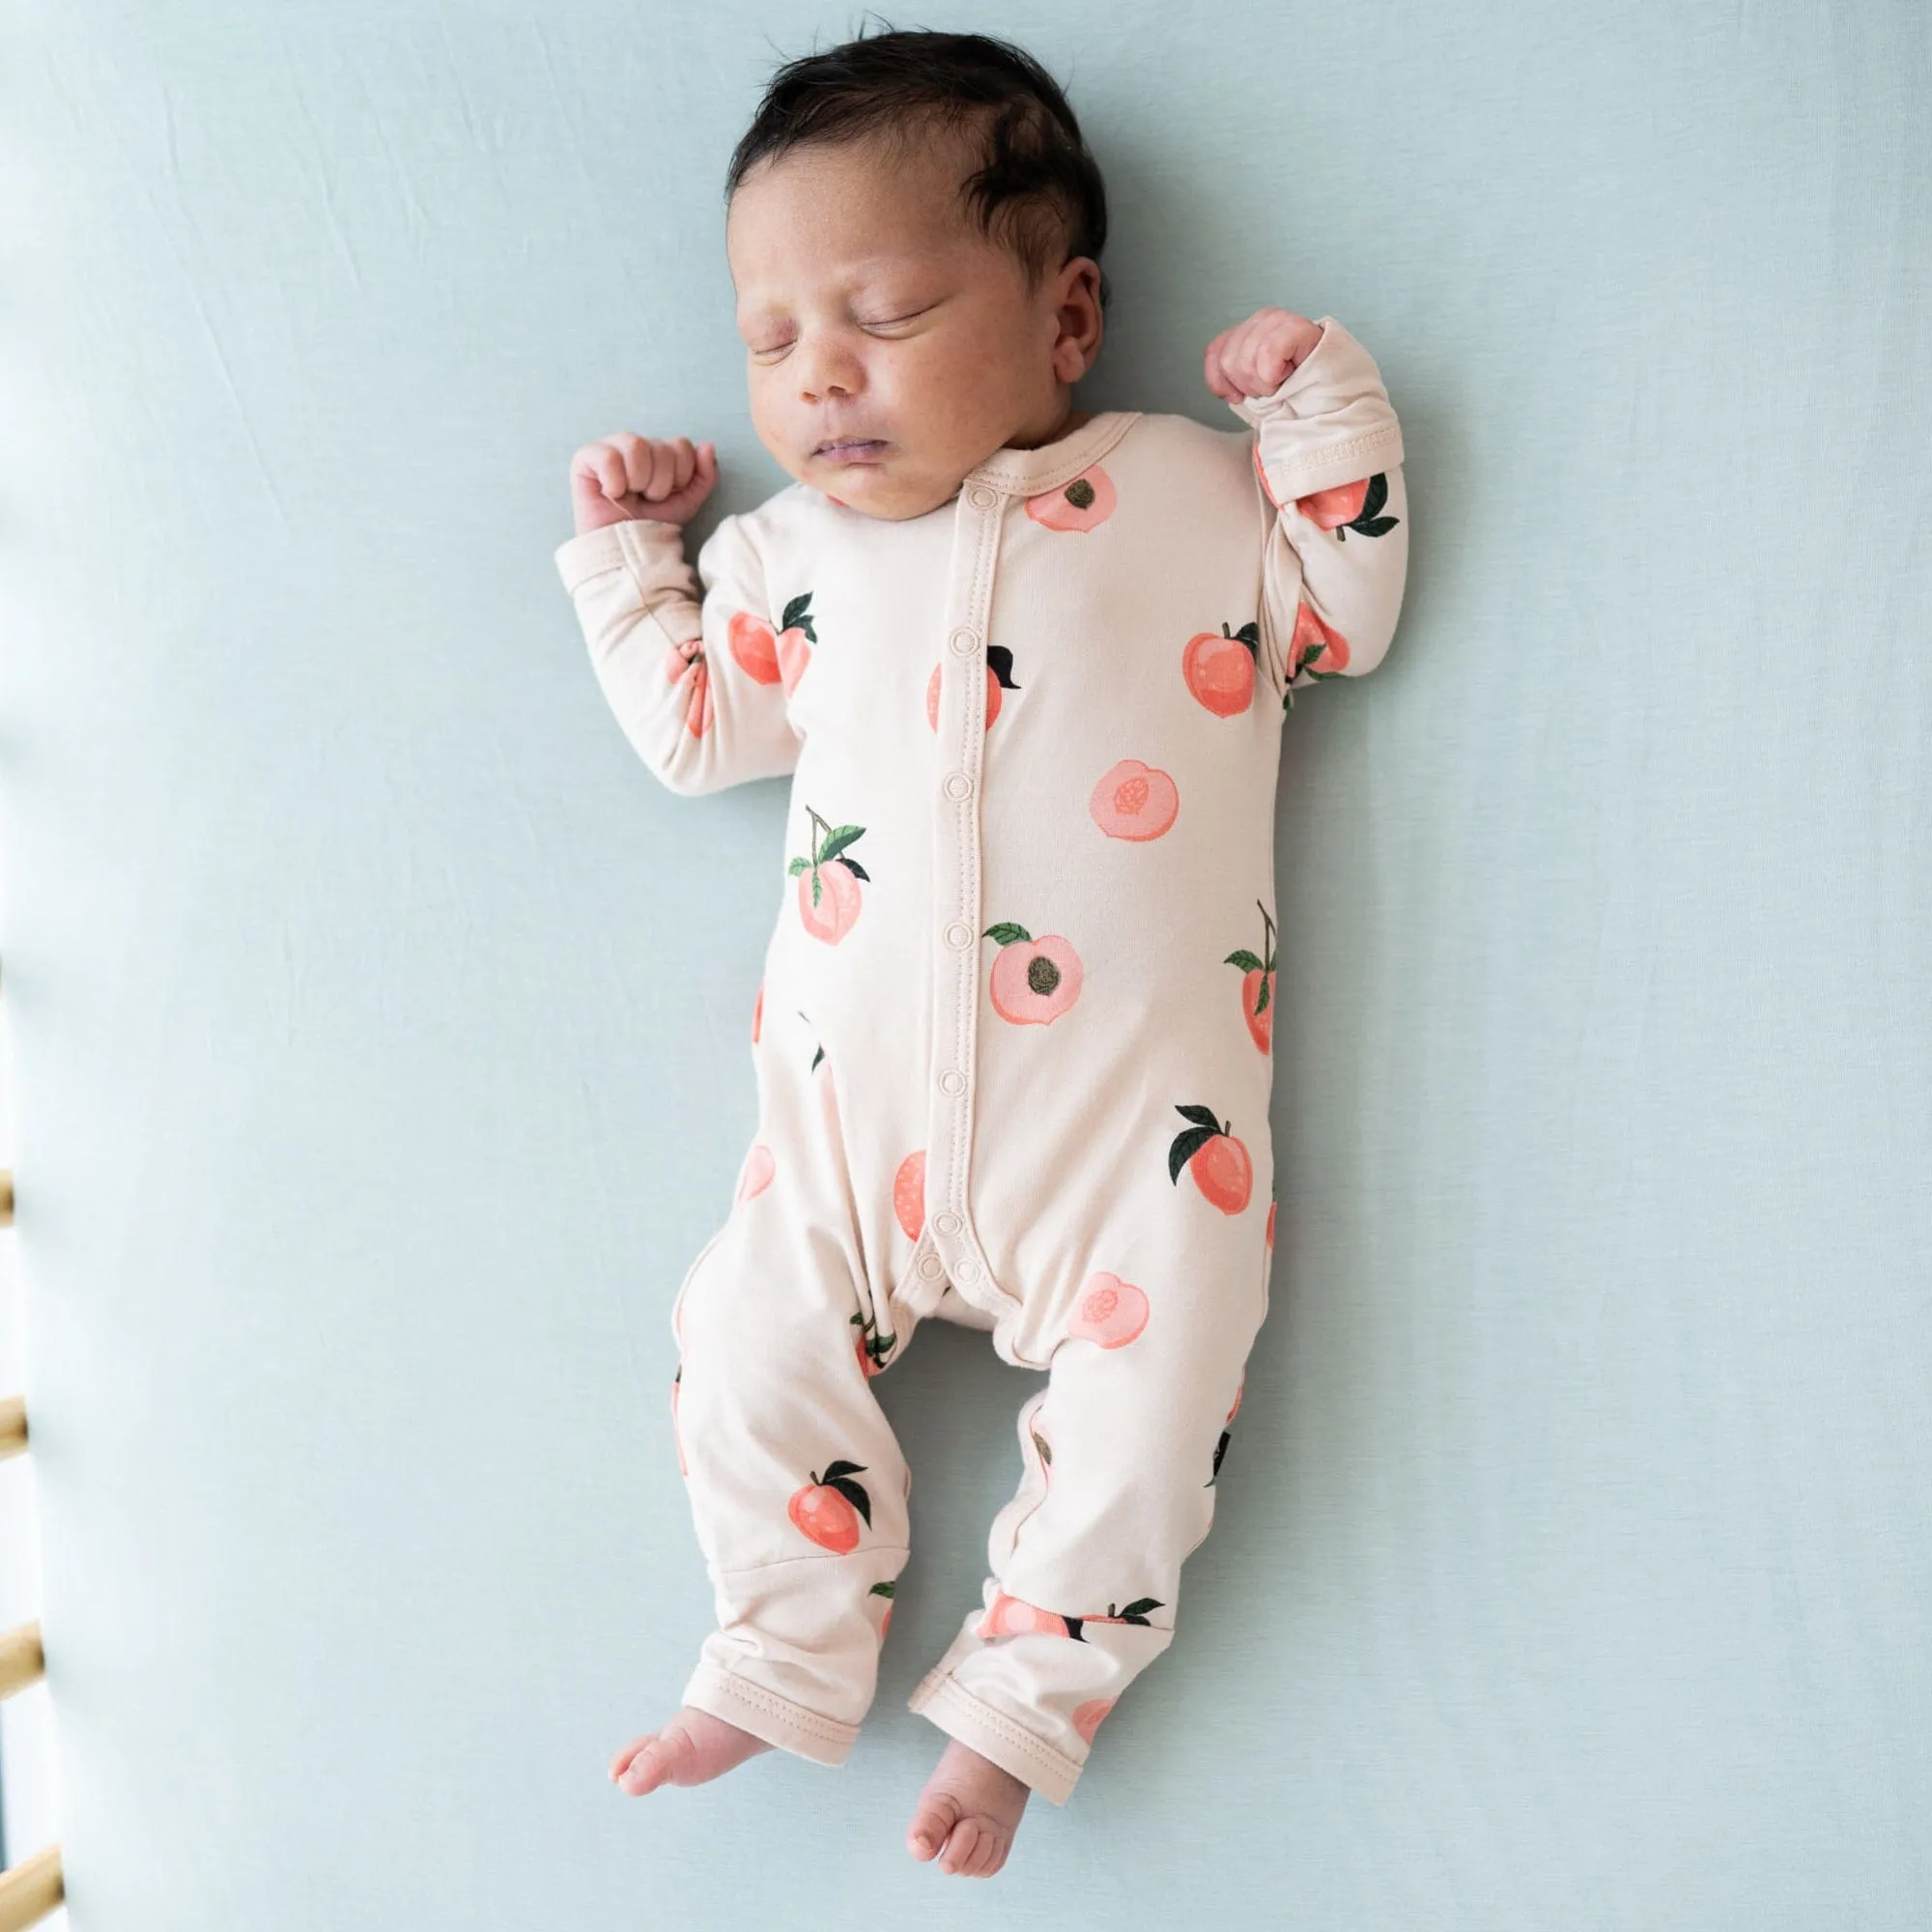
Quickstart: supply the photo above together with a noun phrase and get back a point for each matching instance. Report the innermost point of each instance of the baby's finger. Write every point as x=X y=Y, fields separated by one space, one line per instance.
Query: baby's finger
x=684 y=462
x=611 y=476
x=640 y=458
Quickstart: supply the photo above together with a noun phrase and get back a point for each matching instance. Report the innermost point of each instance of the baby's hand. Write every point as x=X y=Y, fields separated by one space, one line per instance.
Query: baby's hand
x=1255 y=358
x=621 y=478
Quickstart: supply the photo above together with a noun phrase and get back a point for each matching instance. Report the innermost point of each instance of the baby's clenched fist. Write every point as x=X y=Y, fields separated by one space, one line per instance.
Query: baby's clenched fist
x=1256 y=356
x=621 y=478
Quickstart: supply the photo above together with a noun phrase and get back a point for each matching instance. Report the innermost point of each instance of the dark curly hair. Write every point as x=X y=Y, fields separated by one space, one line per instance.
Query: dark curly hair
x=1035 y=190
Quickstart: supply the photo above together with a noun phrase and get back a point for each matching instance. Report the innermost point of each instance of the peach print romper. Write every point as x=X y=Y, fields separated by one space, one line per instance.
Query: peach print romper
x=1012 y=1041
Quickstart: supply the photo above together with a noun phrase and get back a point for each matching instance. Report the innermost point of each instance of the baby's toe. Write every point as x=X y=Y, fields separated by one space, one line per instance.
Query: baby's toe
x=932 y=1824
x=966 y=1851
x=655 y=1761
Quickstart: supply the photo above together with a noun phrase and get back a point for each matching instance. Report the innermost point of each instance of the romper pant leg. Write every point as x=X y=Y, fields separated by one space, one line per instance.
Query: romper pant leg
x=797 y=1485
x=1121 y=1451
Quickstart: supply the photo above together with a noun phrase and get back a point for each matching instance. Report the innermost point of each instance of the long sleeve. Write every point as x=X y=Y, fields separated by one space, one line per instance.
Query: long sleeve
x=1328 y=457
x=700 y=687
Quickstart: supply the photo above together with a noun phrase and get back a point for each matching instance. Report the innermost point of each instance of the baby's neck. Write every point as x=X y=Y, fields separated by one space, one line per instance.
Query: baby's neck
x=1072 y=420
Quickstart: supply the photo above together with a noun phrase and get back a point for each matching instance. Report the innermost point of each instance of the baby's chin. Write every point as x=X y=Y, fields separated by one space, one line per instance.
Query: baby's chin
x=877 y=489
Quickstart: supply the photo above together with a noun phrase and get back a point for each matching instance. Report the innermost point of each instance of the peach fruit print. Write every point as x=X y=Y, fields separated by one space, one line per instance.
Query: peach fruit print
x=1218 y=1162
x=827 y=1509
x=1350 y=506
x=775 y=657
x=999 y=678
x=1134 y=801
x=1258 y=983
x=909 y=1194
x=828 y=883
x=871 y=1347
x=1014 y=1616
x=887 y=1589
x=759 y=1167
x=758 y=1014
x=1111 y=1312
x=1311 y=640
x=687 y=661
x=1220 y=667
x=1034 y=980
x=1088 y=1718
x=1079 y=505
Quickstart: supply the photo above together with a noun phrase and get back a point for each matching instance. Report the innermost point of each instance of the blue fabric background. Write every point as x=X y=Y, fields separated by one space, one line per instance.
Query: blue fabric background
x=380 y=1026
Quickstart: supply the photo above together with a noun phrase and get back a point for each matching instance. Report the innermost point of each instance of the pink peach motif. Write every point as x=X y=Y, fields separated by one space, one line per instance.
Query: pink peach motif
x=1219 y=669
x=758 y=1014
x=759 y=1167
x=1111 y=1312
x=1258 y=983
x=754 y=646
x=1219 y=1162
x=1079 y=505
x=1315 y=647
x=829 y=1511
x=1350 y=506
x=828 y=881
x=909 y=1194
x=1013 y=1617
x=872 y=1347
x=1034 y=980
x=1088 y=1716
x=684 y=663
x=1330 y=509
x=999 y=678
x=1134 y=801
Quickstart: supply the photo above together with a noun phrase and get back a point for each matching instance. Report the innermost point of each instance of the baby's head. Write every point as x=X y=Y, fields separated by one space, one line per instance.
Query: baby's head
x=913 y=226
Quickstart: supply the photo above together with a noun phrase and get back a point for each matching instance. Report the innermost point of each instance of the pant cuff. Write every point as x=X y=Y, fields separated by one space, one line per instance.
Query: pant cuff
x=778 y=1721
x=995 y=1735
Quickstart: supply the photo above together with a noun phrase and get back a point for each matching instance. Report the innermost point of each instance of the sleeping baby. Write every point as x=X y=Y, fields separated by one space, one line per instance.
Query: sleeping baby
x=1026 y=667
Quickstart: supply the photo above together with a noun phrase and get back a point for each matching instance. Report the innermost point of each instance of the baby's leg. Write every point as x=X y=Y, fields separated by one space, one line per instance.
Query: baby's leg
x=1121 y=1451
x=797 y=1485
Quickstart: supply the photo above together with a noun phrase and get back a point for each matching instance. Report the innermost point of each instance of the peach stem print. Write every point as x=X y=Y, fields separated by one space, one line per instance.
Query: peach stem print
x=1258 y=983
x=1034 y=980
x=830 y=907
x=1218 y=1162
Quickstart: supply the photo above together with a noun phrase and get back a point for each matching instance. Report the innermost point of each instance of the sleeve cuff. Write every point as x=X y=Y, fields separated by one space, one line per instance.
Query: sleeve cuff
x=640 y=541
x=1331 y=421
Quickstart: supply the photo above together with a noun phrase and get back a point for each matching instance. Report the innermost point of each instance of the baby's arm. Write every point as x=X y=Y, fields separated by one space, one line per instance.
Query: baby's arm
x=696 y=684
x=1328 y=454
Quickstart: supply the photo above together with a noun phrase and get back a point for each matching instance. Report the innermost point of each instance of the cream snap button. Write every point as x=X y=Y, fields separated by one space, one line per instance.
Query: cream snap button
x=930 y=1266
x=968 y=1269
x=953 y=1081
x=958 y=785
x=964 y=641
x=959 y=933
x=946 y=1223
x=982 y=498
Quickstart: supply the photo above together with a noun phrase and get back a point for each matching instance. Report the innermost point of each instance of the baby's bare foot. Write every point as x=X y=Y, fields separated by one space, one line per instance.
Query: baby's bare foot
x=692 y=1749
x=967 y=1814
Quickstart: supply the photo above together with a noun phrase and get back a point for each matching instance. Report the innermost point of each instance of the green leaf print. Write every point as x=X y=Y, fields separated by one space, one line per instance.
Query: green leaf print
x=1007 y=933
x=1185 y=1147
x=1201 y=1117
x=798 y=616
x=1247 y=961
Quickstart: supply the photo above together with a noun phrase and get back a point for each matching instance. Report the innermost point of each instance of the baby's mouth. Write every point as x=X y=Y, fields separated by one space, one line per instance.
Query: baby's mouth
x=853 y=449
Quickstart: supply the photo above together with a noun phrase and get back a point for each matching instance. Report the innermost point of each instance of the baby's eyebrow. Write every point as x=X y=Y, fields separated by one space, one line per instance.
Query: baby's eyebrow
x=853 y=281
